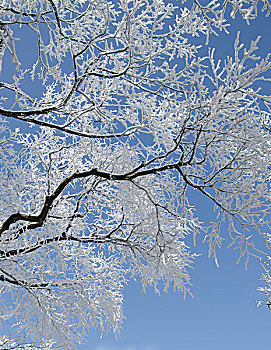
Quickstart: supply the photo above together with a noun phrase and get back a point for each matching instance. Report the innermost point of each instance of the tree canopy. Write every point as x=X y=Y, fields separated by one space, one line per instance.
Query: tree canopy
x=109 y=117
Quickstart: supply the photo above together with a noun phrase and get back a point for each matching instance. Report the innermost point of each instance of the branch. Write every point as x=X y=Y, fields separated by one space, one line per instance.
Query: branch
x=26 y=117
x=38 y=220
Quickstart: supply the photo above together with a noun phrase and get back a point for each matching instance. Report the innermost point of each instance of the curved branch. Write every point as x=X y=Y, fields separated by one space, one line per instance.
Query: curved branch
x=26 y=117
x=38 y=220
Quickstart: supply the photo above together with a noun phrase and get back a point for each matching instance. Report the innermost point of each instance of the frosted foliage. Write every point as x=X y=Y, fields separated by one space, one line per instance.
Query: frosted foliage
x=11 y=342
x=107 y=123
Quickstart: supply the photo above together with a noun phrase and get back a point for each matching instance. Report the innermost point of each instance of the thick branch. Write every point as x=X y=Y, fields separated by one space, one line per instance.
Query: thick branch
x=27 y=116
x=38 y=220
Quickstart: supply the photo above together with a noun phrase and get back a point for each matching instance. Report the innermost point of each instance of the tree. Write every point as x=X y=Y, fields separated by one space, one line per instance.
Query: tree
x=106 y=125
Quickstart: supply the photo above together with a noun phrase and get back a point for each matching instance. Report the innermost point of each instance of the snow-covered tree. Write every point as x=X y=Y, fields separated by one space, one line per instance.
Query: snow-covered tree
x=111 y=112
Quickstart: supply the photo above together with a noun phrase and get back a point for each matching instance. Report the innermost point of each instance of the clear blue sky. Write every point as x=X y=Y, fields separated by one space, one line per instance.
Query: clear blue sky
x=223 y=314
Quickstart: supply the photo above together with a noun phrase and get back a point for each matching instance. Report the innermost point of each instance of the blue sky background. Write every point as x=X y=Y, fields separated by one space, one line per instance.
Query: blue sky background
x=223 y=314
